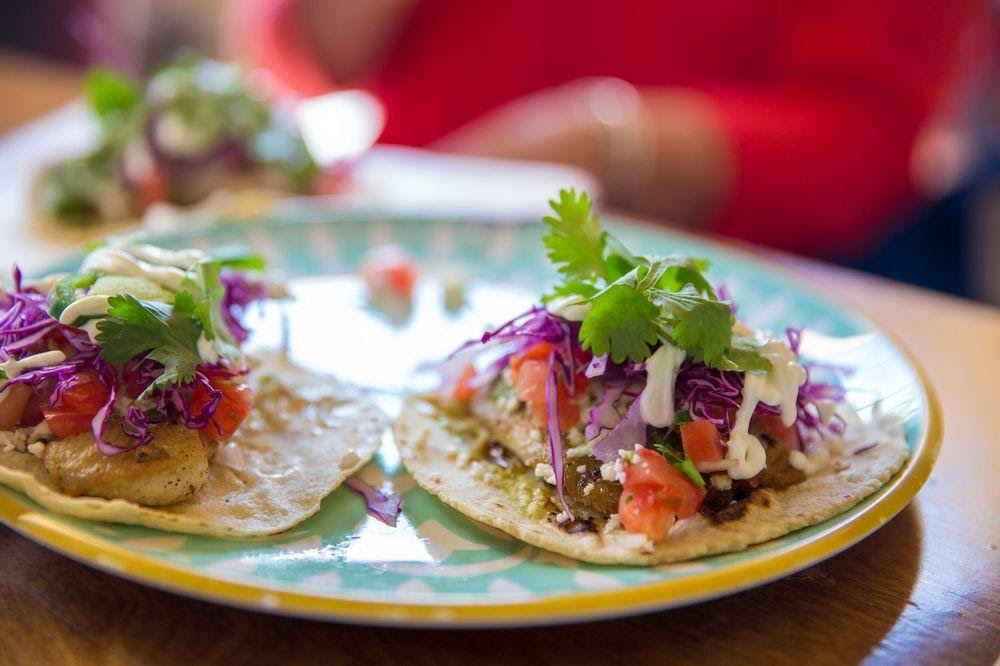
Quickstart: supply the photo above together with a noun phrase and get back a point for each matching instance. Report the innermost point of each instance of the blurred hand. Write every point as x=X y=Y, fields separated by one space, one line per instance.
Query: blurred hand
x=659 y=152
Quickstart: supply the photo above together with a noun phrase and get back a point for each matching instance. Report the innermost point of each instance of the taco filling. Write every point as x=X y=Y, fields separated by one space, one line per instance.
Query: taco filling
x=633 y=417
x=124 y=395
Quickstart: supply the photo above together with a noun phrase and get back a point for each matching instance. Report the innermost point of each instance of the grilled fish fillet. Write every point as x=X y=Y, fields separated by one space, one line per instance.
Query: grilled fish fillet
x=169 y=469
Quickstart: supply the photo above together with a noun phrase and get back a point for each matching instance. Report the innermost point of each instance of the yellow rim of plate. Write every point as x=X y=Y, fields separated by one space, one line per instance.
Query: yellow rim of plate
x=890 y=500
x=562 y=608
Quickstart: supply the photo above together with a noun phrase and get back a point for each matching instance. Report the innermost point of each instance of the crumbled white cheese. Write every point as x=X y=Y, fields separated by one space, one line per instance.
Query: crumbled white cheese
x=37 y=449
x=609 y=470
x=508 y=403
x=614 y=522
x=638 y=542
x=575 y=437
x=587 y=488
x=721 y=481
x=581 y=469
x=584 y=449
x=545 y=472
x=14 y=440
x=561 y=517
x=42 y=431
x=816 y=460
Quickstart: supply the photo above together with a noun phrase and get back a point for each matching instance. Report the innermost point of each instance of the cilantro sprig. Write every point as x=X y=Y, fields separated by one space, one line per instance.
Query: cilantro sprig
x=165 y=333
x=639 y=301
x=682 y=463
x=169 y=333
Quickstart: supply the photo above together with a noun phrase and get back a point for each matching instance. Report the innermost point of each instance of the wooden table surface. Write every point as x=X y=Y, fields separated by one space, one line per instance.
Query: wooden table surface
x=923 y=589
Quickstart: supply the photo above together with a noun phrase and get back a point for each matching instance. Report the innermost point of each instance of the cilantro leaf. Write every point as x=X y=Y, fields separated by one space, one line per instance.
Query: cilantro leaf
x=681 y=273
x=685 y=465
x=705 y=331
x=166 y=334
x=207 y=296
x=744 y=357
x=575 y=240
x=622 y=323
x=3 y=374
x=617 y=259
x=683 y=416
x=112 y=96
x=571 y=288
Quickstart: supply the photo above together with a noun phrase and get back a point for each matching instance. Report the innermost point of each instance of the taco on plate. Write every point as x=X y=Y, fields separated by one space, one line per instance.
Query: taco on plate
x=125 y=397
x=195 y=128
x=634 y=419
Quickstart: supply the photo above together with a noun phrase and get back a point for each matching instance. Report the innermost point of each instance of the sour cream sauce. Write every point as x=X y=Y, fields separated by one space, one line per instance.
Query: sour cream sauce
x=570 y=308
x=656 y=404
x=167 y=268
x=163 y=267
x=15 y=368
x=87 y=306
x=778 y=387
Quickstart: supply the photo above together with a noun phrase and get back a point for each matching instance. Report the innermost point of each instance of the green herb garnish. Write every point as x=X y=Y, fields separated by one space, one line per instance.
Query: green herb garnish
x=685 y=465
x=167 y=334
x=65 y=291
x=639 y=301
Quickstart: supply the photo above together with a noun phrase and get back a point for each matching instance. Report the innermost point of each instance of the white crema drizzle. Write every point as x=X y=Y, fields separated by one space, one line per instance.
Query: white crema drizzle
x=778 y=387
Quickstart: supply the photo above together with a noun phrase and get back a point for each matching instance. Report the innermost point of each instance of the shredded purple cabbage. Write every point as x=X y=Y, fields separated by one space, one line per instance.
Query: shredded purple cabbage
x=241 y=291
x=523 y=331
x=555 y=435
x=379 y=505
x=604 y=415
x=715 y=395
x=27 y=328
x=630 y=431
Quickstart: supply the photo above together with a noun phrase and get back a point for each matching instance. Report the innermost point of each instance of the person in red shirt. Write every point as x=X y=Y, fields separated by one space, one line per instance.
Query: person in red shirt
x=785 y=122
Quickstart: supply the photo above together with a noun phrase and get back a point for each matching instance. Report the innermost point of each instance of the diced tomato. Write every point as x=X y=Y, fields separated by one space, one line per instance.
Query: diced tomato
x=233 y=409
x=684 y=496
x=642 y=511
x=32 y=414
x=701 y=441
x=530 y=373
x=464 y=389
x=82 y=397
x=660 y=494
x=770 y=424
x=530 y=380
x=389 y=269
x=569 y=413
x=12 y=403
x=536 y=352
x=649 y=468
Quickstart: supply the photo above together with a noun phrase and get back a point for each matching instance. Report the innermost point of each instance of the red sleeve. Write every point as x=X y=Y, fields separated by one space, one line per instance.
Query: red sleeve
x=822 y=129
x=269 y=33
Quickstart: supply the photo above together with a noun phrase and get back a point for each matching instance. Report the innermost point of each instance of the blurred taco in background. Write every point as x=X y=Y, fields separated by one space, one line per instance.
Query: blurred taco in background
x=196 y=127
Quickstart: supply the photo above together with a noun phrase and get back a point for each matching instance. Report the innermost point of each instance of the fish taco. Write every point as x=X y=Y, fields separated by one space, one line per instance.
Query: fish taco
x=633 y=418
x=125 y=397
x=196 y=132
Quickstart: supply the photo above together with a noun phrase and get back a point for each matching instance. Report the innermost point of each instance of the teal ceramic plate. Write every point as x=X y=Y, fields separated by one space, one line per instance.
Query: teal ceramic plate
x=438 y=567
